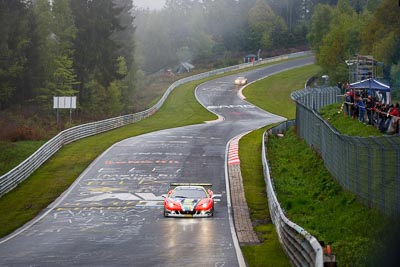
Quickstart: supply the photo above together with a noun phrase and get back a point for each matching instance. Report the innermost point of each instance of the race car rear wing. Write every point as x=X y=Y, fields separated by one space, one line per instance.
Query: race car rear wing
x=191 y=184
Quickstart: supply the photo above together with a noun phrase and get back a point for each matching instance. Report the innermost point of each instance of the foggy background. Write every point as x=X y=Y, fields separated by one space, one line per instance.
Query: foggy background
x=151 y=4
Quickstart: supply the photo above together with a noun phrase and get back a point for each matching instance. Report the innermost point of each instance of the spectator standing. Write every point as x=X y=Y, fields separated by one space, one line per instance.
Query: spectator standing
x=395 y=110
x=347 y=104
x=361 y=109
x=356 y=109
x=370 y=104
x=397 y=119
x=392 y=115
x=352 y=107
x=383 y=116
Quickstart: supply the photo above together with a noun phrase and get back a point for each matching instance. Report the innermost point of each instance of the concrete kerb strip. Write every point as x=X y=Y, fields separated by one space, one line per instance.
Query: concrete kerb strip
x=241 y=214
x=239 y=253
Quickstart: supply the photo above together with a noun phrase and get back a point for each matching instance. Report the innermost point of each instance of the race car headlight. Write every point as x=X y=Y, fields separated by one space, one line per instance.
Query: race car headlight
x=171 y=205
x=205 y=204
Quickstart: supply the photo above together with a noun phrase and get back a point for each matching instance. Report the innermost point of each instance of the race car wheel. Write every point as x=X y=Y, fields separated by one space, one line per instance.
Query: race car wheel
x=165 y=213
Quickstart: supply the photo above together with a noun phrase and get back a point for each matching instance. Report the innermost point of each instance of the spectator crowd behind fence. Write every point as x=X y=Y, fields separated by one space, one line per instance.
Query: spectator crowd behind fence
x=370 y=110
x=367 y=166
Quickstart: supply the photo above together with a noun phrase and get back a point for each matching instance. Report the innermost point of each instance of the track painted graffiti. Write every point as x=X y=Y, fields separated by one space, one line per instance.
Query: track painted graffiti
x=231 y=106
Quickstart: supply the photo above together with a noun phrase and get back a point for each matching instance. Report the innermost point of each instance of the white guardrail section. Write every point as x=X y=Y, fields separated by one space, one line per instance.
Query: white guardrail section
x=302 y=248
x=15 y=176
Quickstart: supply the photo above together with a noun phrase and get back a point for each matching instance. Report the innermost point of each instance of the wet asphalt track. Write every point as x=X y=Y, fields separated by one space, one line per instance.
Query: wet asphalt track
x=112 y=215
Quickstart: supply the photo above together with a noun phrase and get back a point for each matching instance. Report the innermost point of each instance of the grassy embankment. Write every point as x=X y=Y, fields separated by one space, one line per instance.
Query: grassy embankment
x=347 y=125
x=359 y=236
x=12 y=153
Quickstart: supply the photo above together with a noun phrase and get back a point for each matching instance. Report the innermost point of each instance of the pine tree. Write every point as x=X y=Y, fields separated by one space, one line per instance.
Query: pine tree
x=96 y=53
x=16 y=48
x=56 y=31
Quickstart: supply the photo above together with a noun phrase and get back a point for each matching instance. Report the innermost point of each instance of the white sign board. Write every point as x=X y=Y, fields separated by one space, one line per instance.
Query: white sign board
x=64 y=102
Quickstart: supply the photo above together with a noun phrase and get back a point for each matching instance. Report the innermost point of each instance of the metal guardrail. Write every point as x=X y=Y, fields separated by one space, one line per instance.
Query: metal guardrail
x=302 y=248
x=369 y=167
x=15 y=176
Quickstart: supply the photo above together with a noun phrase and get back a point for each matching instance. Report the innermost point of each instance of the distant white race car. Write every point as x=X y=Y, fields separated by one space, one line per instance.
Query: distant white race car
x=240 y=80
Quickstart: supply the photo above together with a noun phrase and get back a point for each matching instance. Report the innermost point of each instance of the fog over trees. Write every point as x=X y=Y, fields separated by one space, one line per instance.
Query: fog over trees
x=152 y=4
x=222 y=31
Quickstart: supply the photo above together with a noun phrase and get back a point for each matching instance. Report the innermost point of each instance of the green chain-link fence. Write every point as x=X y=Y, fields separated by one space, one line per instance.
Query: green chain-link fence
x=367 y=166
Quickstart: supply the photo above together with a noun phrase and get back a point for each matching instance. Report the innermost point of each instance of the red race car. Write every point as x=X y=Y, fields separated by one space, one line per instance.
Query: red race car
x=189 y=200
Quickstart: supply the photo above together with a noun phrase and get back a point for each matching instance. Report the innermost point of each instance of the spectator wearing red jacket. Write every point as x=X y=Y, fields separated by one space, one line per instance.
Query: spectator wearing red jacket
x=392 y=115
x=394 y=110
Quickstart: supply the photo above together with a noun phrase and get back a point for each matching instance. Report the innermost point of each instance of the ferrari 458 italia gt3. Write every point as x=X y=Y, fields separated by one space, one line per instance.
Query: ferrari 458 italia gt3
x=189 y=200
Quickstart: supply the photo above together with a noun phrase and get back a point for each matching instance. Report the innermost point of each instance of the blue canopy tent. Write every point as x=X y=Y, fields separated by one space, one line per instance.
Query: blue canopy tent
x=374 y=88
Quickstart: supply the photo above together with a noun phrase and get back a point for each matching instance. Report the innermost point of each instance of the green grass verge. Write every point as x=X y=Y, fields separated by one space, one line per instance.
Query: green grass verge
x=269 y=252
x=273 y=93
x=12 y=153
x=316 y=202
x=346 y=125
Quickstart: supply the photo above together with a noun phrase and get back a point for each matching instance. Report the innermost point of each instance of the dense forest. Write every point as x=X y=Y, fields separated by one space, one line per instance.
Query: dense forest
x=65 y=48
x=100 y=50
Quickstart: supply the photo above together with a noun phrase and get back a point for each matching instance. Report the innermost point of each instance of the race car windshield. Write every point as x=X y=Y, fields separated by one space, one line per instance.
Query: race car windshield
x=188 y=193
